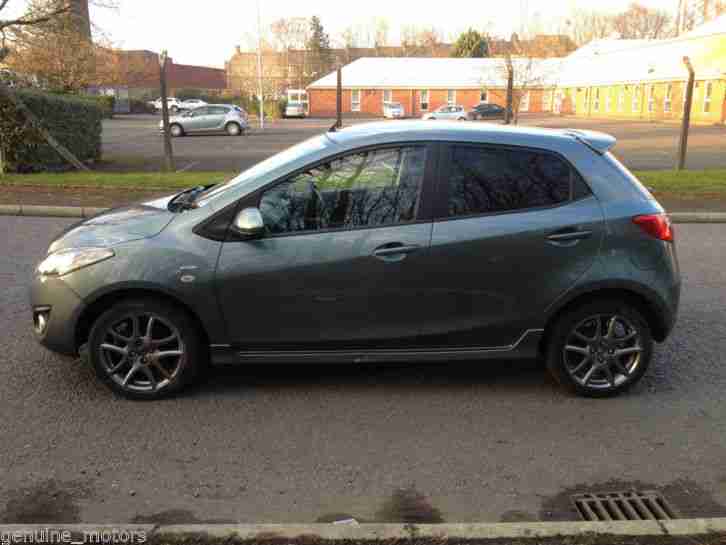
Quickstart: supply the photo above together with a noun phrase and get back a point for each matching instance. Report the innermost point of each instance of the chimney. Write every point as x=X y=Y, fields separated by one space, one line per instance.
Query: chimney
x=79 y=11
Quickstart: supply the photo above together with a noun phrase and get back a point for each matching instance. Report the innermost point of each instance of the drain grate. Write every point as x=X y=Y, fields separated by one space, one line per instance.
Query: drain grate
x=633 y=505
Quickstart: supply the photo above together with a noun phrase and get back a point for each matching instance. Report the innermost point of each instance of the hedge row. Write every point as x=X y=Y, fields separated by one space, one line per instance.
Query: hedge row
x=74 y=122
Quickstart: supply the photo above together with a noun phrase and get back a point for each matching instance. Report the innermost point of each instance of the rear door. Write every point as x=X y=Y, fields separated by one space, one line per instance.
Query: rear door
x=217 y=117
x=514 y=228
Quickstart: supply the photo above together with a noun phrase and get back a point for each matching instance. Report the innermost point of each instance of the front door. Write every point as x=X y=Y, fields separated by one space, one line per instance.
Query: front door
x=196 y=119
x=340 y=265
x=516 y=228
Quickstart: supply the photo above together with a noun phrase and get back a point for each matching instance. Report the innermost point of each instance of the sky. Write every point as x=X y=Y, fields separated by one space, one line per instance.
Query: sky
x=206 y=33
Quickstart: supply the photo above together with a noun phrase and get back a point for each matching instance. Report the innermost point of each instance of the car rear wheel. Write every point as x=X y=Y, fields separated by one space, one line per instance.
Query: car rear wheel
x=176 y=130
x=600 y=349
x=145 y=349
x=233 y=129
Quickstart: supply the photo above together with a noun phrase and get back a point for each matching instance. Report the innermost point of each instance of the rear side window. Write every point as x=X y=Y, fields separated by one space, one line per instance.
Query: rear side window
x=486 y=180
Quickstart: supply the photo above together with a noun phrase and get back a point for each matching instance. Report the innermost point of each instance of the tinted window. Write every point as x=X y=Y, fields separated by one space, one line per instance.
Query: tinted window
x=367 y=189
x=485 y=180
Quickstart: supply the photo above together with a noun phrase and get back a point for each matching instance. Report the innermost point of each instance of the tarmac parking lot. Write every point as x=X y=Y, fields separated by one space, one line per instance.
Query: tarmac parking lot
x=454 y=442
x=134 y=143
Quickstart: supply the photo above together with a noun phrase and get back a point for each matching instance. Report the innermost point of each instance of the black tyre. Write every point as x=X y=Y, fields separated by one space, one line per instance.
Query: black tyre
x=599 y=349
x=146 y=349
x=176 y=130
x=233 y=129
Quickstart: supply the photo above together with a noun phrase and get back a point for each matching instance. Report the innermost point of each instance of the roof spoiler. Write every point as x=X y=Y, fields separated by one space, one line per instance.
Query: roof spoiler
x=599 y=142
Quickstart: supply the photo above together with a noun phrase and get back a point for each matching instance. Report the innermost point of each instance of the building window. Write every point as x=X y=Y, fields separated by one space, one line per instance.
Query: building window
x=387 y=96
x=483 y=96
x=667 y=100
x=451 y=97
x=651 y=98
x=596 y=102
x=547 y=101
x=524 y=102
x=621 y=99
x=355 y=100
x=608 y=100
x=707 y=97
x=636 y=98
x=424 y=99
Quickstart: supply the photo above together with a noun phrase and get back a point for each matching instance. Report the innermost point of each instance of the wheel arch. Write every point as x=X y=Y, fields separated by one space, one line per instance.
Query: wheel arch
x=103 y=302
x=639 y=297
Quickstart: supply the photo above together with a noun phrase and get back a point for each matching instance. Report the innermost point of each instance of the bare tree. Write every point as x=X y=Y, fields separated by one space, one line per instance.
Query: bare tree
x=290 y=33
x=585 y=26
x=420 y=41
x=640 y=22
x=37 y=14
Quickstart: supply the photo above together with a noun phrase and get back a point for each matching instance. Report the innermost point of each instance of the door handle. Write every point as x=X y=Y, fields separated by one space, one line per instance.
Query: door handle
x=396 y=249
x=568 y=237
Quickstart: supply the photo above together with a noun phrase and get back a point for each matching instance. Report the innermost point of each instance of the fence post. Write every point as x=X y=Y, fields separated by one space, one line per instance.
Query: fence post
x=685 y=125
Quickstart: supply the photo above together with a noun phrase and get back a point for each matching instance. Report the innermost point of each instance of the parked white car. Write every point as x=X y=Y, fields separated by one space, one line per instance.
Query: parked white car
x=457 y=113
x=191 y=103
x=393 y=110
x=172 y=103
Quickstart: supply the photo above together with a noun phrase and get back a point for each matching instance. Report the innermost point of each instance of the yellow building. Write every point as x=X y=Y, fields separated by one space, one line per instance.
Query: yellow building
x=646 y=79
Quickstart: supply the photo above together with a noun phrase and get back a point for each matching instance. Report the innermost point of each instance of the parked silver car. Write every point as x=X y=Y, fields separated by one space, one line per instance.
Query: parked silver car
x=455 y=113
x=211 y=118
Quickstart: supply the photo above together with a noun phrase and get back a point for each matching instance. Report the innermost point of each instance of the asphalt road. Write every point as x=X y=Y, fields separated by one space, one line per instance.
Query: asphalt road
x=478 y=442
x=133 y=143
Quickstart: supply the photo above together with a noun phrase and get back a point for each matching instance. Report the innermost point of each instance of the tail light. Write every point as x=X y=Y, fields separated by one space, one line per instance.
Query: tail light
x=656 y=225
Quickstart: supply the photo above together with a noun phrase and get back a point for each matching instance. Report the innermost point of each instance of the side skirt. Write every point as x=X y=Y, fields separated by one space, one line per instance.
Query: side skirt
x=527 y=347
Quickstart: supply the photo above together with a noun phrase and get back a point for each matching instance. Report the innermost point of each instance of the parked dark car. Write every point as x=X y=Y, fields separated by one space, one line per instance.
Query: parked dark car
x=486 y=111
x=376 y=243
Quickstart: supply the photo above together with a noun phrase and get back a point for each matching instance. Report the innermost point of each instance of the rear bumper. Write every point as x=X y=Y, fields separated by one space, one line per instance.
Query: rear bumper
x=55 y=310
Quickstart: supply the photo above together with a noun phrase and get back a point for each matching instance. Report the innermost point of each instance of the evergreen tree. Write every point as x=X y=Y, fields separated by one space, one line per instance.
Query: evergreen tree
x=471 y=43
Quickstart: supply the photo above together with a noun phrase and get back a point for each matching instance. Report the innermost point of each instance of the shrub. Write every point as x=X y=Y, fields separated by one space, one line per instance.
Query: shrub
x=75 y=122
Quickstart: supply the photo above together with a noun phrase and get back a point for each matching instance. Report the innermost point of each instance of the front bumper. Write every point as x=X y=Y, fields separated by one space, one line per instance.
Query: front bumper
x=56 y=309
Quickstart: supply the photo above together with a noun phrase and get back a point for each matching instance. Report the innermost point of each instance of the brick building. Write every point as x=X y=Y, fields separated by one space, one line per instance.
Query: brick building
x=422 y=85
x=297 y=68
x=646 y=79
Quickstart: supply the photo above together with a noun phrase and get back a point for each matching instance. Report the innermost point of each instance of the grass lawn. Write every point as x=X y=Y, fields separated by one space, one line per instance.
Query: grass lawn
x=686 y=183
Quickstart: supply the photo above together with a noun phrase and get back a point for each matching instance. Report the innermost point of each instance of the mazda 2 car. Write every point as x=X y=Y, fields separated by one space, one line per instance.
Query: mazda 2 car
x=376 y=243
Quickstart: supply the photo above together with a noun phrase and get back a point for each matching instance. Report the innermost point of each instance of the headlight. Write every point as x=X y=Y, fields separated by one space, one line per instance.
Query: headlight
x=65 y=261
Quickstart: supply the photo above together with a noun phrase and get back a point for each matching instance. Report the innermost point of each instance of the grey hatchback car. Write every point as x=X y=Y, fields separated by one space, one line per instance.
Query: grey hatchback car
x=378 y=242
x=221 y=118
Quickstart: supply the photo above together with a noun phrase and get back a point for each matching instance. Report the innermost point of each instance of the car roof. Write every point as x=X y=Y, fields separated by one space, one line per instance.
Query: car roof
x=410 y=131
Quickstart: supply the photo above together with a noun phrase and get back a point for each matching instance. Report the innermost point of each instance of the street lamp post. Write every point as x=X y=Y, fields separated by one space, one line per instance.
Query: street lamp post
x=168 y=152
x=259 y=69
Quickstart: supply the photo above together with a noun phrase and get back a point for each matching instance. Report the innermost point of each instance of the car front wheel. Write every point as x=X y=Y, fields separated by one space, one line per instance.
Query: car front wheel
x=600 y=349
x=145 y=349
x=176 y=131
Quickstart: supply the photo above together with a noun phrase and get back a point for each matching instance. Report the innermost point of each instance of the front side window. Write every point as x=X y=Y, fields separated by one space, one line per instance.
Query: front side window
x=355 y=100
x=490 y=180
x=367 y=189
x=424 y=100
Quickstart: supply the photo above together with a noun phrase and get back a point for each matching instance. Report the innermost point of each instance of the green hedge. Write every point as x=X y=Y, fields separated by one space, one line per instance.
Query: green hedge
x=74 y=122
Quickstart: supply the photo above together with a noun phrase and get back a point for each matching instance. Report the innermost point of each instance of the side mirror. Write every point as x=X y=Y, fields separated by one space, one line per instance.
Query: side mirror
x=249 y=223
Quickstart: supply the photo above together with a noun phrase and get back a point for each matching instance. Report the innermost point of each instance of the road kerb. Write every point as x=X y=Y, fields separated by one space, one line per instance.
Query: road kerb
x=377 y=532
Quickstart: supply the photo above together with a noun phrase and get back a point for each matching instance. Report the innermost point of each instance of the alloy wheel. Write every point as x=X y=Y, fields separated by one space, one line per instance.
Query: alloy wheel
x=142 y=352
x=603 y=351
